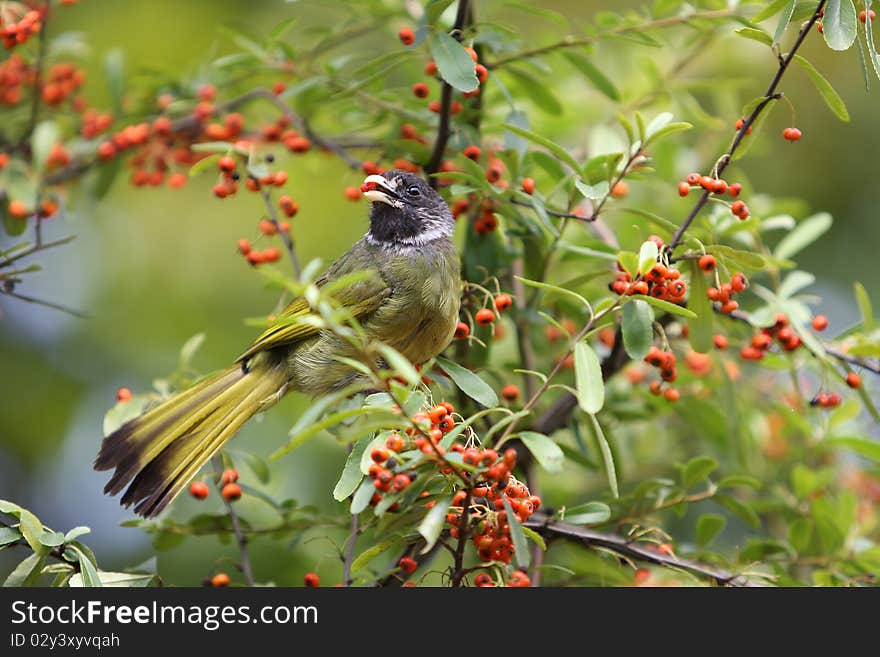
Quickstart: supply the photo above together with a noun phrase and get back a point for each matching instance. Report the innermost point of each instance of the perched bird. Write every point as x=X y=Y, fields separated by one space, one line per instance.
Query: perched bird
x=408 y=299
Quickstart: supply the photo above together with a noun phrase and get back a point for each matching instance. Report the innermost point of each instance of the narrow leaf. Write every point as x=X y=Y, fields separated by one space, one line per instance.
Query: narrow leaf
x=607 y=456
x=546 y=452
x=807 y=232
x=520 y=547
x=829 y=95
x=432 y=524
x=784 y=20
x=551 y=146
x=594 y=75
x=351 y=472
x=637 y=328
x=588 y=378
x=469 y=383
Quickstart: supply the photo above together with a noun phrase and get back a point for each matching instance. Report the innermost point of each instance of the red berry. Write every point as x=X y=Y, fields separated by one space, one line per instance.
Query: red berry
x=220 y=580
x=503 y=302
x=739 y=282
x=528 y=185
x=863 y=16
x=407 y=36
x=510 y=392
x=408 y=565
x=420 y=90
x=472 y=152
x=707 y=263
x=853 y=380
x=734 y=189
x=199 y=490
x=226 y=164
x=379 y=455
x=231 y=492
x=693 y=179
x=820 y=322
x=791 y=134
x=431 y=68
x=312 y=580
x=720 y=341
x=683 y=189
x=123 y=394
x=484 y=317
x=229 y=476
x=462 y=330
x=620 y=189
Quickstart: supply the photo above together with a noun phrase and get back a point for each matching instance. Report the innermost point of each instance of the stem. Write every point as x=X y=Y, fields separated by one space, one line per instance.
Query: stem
x=443 y=132
x=41 y=302
x=285 y=237
x=34 y=249
x=240 y=538
x=769 y=96
x=459 y=573
x=38 y=83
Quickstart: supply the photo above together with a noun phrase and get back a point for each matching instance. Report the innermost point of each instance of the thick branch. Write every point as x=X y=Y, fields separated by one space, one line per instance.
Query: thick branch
x=619 y=545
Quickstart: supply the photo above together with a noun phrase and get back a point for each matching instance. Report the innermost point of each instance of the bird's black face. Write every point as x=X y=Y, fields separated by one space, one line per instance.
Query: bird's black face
x=405 y=209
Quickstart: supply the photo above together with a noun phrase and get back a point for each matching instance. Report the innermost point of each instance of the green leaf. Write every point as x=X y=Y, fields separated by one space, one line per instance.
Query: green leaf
x=46 y=134
x=76 y=532
x=124 y=411
x=51 y=539
x=469 y=383
x=709 y=525
x=114 y=70
x=432 y=524
x=453 y=62
x=351 y=473
x=866 y=447
x=800 y=534
x=807 y=232
x=9 y=535
x=739 y=509
x=755 y=34
x=823 y=86
x=593 y=192
x=769 y=11
x=546 y=452
x=666 y=130
x=536 y=90
x=553 y=147
x=399 y=364
x=666 y=306
x=520 y=547
x=738 y=257
x=188 y=351
x=371 y=553
x=648 y=253
x=88 y=570
x=697 y=470
x=362 y=497
x=784 y=20
x=607 y=456
x=865 y=308
x=839 y=24
x=593 y=74
x=556 y=290
x=534 y=536
x=588 y=378
x=591 y=513
x=637 y=327
x=32 y=530
x=27 y=572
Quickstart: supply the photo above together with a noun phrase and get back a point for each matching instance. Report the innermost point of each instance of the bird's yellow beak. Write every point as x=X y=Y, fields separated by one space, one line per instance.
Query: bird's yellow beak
x=377 y=188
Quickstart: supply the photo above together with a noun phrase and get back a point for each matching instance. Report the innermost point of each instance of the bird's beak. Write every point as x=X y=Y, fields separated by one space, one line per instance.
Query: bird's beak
x=377 y=188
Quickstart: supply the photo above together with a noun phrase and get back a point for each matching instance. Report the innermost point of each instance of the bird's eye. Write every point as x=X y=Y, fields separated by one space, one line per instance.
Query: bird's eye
x=412 y=190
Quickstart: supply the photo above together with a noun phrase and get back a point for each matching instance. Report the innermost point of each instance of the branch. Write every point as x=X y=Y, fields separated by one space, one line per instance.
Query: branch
x=349 y=551
x=35 y=249
x=619 y=545
x=41 y=302
x=38 y=82
x=436 y=158
x=240 y=538
x=285 y=236
x=553 y=213
x=769 y=96
x=572 y=42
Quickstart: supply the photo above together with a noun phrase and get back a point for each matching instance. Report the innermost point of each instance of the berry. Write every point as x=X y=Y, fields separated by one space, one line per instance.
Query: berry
x=738 y=282
x=683 y=189
x=18 y=209
x=379 y=455
x=720 y=341
x=484 y=580
x=510 y=392
x=352 y=193
x=820 y=322
x=312 y=580
x=123 y=394
x=503 y=302
x=407 y=36
x=734 y=189
x=740 y=123
x=693 y=179
x=707 y=263
x=199 y=490
x=226 y=164
x=231 y=492
x=462 y=330
x=620 y=189
x=518 y=579
x=408 y=565
x=220 y=580
x=853 y=380
x=791 y=134
x=528 y=185
x=737 y=208
x=288 y=207
x=484 y=317
x=431 y=68
x=395 y=442
x=472 y=152
x=420 y=90
x=863 y=16
x=229 y=476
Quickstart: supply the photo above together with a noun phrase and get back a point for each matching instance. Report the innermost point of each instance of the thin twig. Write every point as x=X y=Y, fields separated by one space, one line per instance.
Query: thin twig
x=349 y=550
x=553 y=213
x=459 y=572
x=35 y=249
x=41 y=302
x=285 y=236
x=624 y=547
x=240 y=538
x=443 y=132
x=769 y=96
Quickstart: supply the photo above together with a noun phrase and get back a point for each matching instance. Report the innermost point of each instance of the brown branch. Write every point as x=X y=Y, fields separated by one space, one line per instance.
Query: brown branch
x=443 y=132
x=553 y=213
x=551 y=529
x=573 y=42
x=769 y=96
x=41 y=302
x=240 y=538
x=38 y=83
x=459 y=571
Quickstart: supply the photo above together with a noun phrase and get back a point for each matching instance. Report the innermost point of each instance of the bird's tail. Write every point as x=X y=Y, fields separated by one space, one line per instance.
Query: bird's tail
x=159 y=452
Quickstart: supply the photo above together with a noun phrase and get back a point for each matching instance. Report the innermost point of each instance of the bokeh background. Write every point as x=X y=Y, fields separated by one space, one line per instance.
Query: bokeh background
x=153 y=267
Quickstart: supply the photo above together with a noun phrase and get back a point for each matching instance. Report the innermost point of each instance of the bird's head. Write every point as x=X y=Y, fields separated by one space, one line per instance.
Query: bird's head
x=405 y=210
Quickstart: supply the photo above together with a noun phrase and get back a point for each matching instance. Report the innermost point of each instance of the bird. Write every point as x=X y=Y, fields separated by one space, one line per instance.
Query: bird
x=406 y=295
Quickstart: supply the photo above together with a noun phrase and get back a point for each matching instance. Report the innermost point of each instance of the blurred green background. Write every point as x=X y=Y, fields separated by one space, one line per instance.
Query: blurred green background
x=152 y=267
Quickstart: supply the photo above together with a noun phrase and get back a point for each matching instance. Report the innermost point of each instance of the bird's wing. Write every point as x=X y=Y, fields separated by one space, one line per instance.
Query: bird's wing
x=362 y=296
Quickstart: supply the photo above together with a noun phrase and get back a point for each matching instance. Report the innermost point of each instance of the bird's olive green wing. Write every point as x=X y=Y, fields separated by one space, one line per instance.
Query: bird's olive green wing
x=354 y=283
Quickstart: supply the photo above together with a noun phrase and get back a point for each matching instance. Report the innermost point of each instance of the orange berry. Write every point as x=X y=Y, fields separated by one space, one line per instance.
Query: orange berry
x=510 y=392
x=407 y=36
x=720 y=341
x=462 y=330
x=863 y=16
x=620 y=189
x=231 y=492
x=278 y=88
x=18 y=209
x=229 y=476
x=791 y=134
x=352 y=193
x=820 y=322
x=693 y=179
x=244 y=246
x=298 y=144
x=312 y=580
x=177 y=180
x=528 y=185
x=272 y=254
x=199 y=490
x=482 y=73
x=420 y=90
x=431 y=68
x=683 y=189
x=853 y=380
x=288 y=207
x=123 y=394
x=220 y=580
x=267 y=227
x=503 y=302
x=472 y=152
x=484 y=317
x=707 y=263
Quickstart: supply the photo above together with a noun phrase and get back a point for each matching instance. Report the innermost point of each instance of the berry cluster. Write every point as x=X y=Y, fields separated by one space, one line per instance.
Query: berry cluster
x=717 y=186
x=14 y=73
x=762 y=341
x=485 y=316
x=724 y=293
x=661 y=282
x=664 y=361
x=62 y=81
x=16 y=32
x=229 y=488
